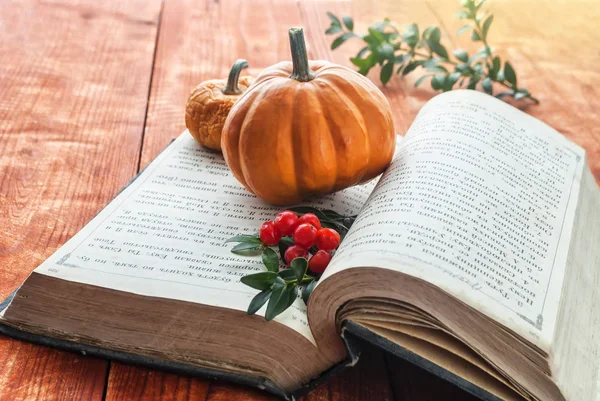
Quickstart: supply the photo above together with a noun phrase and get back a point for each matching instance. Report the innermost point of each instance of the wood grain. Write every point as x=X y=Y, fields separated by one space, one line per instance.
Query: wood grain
x=74 y=82
x=367 y=381
x=140 y=384
x=71 y=121
x=32 y=373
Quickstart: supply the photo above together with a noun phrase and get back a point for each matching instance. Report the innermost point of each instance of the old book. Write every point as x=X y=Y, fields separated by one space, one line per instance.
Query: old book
x=475 y=255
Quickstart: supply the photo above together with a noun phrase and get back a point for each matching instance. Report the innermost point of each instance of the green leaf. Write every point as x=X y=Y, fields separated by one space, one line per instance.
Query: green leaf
x=503 y=94
x=348 y=22
x=438 y=80
x=476 y=56
x=365 y=64
x=246 y=249
x=333 y=29
x=280 y=300
x=258 y=301
x=450 y=80
x=423 y=78
x=520 y=95
x=334 y=19
x=433 y=64
x=486 y=26
x=462 y=67
x=469 y=4
x=411 y=67
x=475 y=36
x=307 y=290
x=287 y=274
x=377 y=35
x=500 y=76
x=260 y=281
x=437 y=68
x=362 y=52
x=410 y=35
x=278 y=288
x=487 y=86
x=463 y=29
x=438 y=49
x=340 y=40
x=473 y=82
x=270 y=259
x=385 y=52
x=495 y=67
x=401 y=58
x=461 y=54
x=386 y=72
x=245 y=238
x=299 y=266
x=463 y=14
x=509 y=74
x=432 y=33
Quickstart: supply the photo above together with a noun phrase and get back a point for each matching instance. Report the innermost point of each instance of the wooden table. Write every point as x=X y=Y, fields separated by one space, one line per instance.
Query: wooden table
x=91 y=91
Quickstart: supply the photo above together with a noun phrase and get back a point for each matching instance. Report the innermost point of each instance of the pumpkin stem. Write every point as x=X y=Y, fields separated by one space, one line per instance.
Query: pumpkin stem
x=232 y=87
x=300 y=72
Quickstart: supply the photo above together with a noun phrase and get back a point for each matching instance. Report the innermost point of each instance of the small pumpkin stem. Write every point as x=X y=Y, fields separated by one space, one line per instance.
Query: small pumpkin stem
x=300 y=72
x=232 y=87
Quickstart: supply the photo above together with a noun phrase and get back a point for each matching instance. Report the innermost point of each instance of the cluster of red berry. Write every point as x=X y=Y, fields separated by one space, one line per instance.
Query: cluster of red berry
x=307 y=233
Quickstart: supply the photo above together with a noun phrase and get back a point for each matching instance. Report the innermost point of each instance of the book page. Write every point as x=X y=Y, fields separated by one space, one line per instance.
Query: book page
x=164 y=235
x=480 y=202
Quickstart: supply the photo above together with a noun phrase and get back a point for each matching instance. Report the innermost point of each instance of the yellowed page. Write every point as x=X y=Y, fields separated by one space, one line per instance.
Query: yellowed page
x=164 y=235
x=480 y=202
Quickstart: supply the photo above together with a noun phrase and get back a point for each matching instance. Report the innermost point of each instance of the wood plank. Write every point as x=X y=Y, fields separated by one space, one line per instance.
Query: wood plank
x=137 y=383
x=33 y=373
x=549 y=52
x=71 y=119
x=367 y=381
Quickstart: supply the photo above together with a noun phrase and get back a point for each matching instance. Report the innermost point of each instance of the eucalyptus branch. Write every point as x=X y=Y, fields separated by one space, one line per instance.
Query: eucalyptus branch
x=401 y=52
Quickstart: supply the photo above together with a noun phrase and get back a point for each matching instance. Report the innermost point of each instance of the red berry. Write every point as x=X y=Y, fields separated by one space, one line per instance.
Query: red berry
x=305 y=235
x=286 y=222
x=269 y=234
x=318 y=263
x=293 y=252
x=311 y=219
x=327 y=239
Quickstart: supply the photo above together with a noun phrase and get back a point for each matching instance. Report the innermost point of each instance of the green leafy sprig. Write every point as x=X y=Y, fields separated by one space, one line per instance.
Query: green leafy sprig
x=280 y=287
x=406 y=51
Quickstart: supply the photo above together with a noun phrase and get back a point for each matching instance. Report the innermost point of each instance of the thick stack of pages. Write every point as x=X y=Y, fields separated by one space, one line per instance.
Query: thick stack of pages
x=475 y=255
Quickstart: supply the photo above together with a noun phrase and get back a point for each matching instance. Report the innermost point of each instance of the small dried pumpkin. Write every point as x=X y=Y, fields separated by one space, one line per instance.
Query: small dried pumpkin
x=306 y=128
x=210 y=102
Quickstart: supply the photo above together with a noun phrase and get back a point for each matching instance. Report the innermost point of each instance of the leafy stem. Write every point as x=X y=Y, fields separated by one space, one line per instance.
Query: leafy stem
x=280 y=285
x=411 y=49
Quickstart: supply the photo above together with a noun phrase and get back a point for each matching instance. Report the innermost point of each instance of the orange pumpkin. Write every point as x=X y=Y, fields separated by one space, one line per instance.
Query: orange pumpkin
x=209 y=103
x=306 y=128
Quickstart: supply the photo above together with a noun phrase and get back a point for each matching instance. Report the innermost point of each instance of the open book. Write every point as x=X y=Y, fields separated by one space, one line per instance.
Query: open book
x=475 y=255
